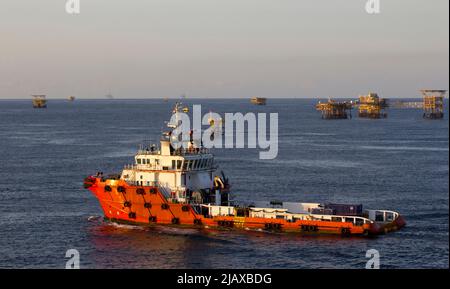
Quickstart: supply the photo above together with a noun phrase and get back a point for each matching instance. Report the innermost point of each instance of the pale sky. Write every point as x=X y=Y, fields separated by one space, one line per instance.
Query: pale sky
x=222 y=48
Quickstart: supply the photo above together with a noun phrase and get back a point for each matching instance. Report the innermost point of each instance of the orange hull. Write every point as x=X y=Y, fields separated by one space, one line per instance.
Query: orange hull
x=146 y=205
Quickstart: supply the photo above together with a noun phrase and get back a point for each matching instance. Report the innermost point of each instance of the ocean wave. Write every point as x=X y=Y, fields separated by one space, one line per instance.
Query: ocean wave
x=317 y=134
x=62 y=141
x=313 y=163
x=118 y=154
x=125 y=226
x=404 y=148
x=176 y=231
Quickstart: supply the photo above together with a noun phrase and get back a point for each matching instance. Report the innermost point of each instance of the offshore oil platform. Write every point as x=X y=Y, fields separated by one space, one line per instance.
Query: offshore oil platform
x=335 y=109
x=433 y=103
x=39 y=101
x=372 y=106
x=369 y=106
x=258 y=100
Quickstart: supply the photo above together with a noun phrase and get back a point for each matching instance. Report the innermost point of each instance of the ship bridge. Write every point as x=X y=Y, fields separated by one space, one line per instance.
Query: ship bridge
x=185 y=174
x=178 y=171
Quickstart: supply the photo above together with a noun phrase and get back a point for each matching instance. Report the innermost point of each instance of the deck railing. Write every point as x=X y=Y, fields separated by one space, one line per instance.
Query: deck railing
x=176 y=152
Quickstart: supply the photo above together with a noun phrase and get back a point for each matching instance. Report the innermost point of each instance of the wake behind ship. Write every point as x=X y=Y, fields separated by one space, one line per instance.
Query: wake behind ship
x=184 y=187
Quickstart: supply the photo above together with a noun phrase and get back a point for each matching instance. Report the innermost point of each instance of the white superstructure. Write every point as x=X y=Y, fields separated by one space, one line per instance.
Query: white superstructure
x=183 y=174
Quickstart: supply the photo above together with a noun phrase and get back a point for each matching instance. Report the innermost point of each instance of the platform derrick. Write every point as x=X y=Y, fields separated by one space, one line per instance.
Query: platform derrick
x=335 y=110
x=433 y=103
x=372 y=106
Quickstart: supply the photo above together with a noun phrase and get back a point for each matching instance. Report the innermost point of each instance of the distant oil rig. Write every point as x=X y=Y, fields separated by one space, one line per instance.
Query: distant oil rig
x=335 y=109
x=258 y=100
x=372 y=106
x=369 y=106
x=433 y=103
x=39 y=101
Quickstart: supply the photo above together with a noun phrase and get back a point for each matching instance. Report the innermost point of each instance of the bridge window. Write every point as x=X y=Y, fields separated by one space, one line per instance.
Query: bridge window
x=349 y=220
x=138 y=161
x=359 y=222
x=179 y=163
x=173 y=164
x=379 y=216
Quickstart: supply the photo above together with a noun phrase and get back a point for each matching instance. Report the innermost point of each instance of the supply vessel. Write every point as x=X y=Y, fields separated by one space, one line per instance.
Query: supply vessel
x=184 y=187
